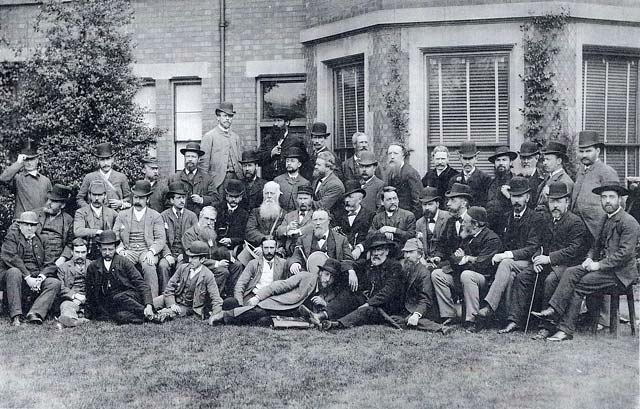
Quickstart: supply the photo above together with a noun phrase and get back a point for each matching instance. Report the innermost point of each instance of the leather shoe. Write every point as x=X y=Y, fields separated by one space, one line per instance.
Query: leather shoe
x=471 y=327
x=16 y=321
x=484 y=313
x=327 y=325
x=545 y=314
x=313 y=317
x=560 y=336
x=542 y=334
x=511 y=326
x=34 y=319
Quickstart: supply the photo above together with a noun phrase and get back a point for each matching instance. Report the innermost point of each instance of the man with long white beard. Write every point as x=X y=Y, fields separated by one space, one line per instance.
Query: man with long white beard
x=529 y=154
x=402 y=176
x=264 y=220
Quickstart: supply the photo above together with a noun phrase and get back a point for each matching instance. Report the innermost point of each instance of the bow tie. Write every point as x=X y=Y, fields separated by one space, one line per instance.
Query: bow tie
x=432 y=220
x=516 y=216
x=352 y=214
x=458 y=219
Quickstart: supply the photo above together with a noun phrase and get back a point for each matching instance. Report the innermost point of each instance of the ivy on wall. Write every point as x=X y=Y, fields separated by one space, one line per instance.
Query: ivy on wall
x=396 y=97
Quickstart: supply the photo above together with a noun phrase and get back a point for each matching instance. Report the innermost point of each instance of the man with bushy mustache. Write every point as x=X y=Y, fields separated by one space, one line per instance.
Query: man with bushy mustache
x=264 y=220
x=90 y=221
x=498 y=202
x=441 y=174
x=72 y=275
x=402 y=176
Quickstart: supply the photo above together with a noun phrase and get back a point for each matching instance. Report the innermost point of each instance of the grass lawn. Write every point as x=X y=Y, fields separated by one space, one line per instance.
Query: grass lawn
x=186 y=363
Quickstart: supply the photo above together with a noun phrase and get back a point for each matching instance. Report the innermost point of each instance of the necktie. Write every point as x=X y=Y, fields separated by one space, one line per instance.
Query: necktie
x=190 y=176
x=516 y=216
x=352 y=214
x=179 y=216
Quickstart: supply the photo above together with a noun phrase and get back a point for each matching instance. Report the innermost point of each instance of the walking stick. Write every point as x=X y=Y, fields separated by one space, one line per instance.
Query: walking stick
x=533 y=296
x=388 y=318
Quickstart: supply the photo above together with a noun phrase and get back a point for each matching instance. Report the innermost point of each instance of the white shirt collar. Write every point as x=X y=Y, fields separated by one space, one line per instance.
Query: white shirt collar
x=223 y=129
x=97 y=212
x=139 y=214
x=193 y=273
x=107 y=264
x=470 y=173
x=614 y=213
x=106 y=175
x=555 y=172
x=175 y=211
x=232 y=209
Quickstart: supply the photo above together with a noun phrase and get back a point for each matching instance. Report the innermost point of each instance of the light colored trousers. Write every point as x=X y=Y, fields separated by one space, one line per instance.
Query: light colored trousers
x=501 y=286
x=472 y=284
x=159 y=303
x=149 y=272
x=69 y=313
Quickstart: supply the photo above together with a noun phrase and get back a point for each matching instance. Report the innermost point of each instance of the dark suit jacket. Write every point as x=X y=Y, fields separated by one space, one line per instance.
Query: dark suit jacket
x=329 y=194
x=205 y=294
x=484 y=246
x=535 y=181
x=522 y=237
x=13 y=250
x=202 y=185
x=416 y=288
x=430 y=240
x=382 y=285
x=252 y=197
x=257 y=227
x=408 y=185
x=307 y=168
x=336 y=247
x=497 y=204
x=566 y=242
x=231 y=226
x=356 y=233
x=188 y=220
x=373 y=187
x=479 y=183
x=157 y=199
x=403 y=220
x=441 y=182
x=449 y=241
x=276 y=165
x=616 y=245
x=66 y=233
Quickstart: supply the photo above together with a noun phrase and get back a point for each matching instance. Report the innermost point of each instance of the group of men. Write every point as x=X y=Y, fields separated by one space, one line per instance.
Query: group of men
x=218 y=241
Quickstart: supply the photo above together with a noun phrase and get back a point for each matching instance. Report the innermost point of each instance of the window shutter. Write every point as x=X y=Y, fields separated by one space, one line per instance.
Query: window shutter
x=349 y=104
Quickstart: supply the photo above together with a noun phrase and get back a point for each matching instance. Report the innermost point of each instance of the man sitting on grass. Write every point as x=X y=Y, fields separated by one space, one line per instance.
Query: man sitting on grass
x=72 y=275
x=191 y=289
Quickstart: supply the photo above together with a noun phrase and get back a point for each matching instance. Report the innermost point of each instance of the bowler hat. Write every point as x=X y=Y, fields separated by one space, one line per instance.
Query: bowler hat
x=528 y=148
x=103 y=150
x=319 y=129
x=460 y=190
x=150 y=160
x=367 y=158
x=589 y=138
x=107 y=237
x=518 y=186
x=558 y=190
x=612 y=185
x=293 y=152
x=380 y=240
x=331 y=265
x=29 y=153
x=141 y=188
x=556 y=148
x=468 y=149
x=198 y=249
x=192 y=147
x=59 y=193
x=412 y=245
x=97 y=188
x=502 y=151
x=353 y=186
x=250 y=156
x=234 y=187
x=478 y=214
x=226 y=107
x=429 y=194
x=305 y=189
x=177 y=188
x=28 y=217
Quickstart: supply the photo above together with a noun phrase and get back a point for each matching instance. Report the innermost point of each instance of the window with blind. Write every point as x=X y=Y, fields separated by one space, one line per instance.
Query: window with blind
x=187 y=115
x=468 y=100
x=610 y=107
x=349 y=105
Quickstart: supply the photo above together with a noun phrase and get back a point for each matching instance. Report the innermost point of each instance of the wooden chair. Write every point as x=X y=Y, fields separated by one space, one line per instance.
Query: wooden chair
x=614 y=318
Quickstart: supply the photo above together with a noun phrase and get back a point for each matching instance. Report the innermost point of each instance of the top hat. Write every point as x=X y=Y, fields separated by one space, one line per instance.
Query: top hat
x=198 y=249
x=331 y=265
x=293 y=152
x=141 y=188
x=502 y=151
x=353 y=186
x=319 y=129
x=250 y=156
x=460 y=190
x=528 y=148
x=468 y=149
x=367 y=158
x=107 y=237
x=380 y=240
x=518 y=186
x=612 y=185
x=59 y=193
x=412 y=245
x=177 y=188
x=305 y=189
x=589 y=138
x=234 y=187
x=28 y=217
x=150 y=160
x=97 y=188
x=558 y=190
x=29 y=153
x=192 y=147
x=103 y=150
x=556 y=148
x=226 y=107
x=429 y=194
x=478 y=213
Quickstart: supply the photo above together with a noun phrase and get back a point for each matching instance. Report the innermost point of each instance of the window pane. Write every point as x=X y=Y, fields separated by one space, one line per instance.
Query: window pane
x=189 y=126
x=283 y=97
x=179 y=156
x=349 y=104
x=188 y=98
x=187 y=116
x=146 y=99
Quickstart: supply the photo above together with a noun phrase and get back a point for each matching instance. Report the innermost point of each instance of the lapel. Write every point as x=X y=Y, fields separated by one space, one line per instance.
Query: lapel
x=440 y=222
x=360 y=218
x=412 y=274
x=331 y=243
x=611 y=226
x=307 y=243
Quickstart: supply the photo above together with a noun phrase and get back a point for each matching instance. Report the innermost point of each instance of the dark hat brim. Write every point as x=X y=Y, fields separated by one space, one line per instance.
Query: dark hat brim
x=557 y=153
x=621 y=190
x=361 y=190
x=226 y=111
x=190 y=254
x=141 y=194
x=367 y=163
x=103 y=156
x=177 y=192
x=329 y=269
x=519 y=192
x=114 y=241
x=558 y=196
x=587 y=145
x=528 y=154
x=30 y=155
x=198 y=151
x=428 y=199
x=320 y=133
x=458 y=194
x=253 y=160
x=512 y=155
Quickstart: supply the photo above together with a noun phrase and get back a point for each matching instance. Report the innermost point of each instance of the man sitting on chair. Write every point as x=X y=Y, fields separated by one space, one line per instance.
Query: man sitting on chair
x=264 y=220
x=353 y=220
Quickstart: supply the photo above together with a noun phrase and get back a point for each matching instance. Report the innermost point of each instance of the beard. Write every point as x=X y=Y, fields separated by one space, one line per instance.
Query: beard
x=207 y=233
x=319 y=174
x=501 y=172
x=376 y=260
x=393 y=170
x=269 y=210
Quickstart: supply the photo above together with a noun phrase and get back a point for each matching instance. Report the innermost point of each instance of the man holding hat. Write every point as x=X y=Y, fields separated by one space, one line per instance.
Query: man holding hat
x=353 y=220
x=231 y=221
x=610 y=263
x=158 y=185
x=441 y=174
x=555 y=156
x=498 y=193
x=370 y=182
x=29 y=186
x=529 y=153
x=430 y=227
x=395 y=223
x=91 y=220
x=201 y=188
x=221 y=149
x=140 y=231
x=291 y=179
x=280 y=141
x=191 y=289
x=297 y=222
x=319 y=136
x=177 y=220
x=21 y=269
x=477 y=179
x=56 y=228
x=115 y=288
x=521 y=239
x=116 y=183
x=253 y=184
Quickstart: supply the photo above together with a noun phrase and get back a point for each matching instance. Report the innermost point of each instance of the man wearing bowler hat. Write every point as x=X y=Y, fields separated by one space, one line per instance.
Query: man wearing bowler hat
x=529 y=154
x=350 y=167
x=555 y=156
x=564 y=243
x=297 y=222
x=477 y=179
x=116 y=183
x=159 y=185
x=90 y=221
x=253 y=184
x=221 y=149
x=231 y=221
x=274 y=147
x=56 y=228
x=430 y=227
x=353 y=220
x=319 y=137
x=28 y=184
x=610 y=263
x=498 y=193
x=201 y=188
x=140 y=231
x=291 y=179
x=115 y=288
x=177 y=220
x=370 y=182
x=521 y=240
x=441 y=174
x=21 y=271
